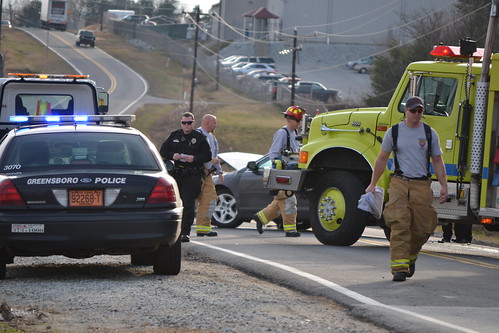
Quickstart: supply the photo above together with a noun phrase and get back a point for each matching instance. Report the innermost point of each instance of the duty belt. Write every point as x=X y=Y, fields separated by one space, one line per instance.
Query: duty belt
x=409 y=178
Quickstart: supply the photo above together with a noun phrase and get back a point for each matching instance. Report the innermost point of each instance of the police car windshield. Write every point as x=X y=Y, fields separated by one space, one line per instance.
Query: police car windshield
x=69 y=150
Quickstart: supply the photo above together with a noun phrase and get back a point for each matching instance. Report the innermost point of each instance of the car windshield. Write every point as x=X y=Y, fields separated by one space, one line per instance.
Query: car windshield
x=65 y=150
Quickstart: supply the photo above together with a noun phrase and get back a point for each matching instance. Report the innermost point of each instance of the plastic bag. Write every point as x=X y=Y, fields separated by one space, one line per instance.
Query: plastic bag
x=372 y=202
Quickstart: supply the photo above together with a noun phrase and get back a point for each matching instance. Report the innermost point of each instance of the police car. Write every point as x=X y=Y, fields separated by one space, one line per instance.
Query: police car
x=81 y=186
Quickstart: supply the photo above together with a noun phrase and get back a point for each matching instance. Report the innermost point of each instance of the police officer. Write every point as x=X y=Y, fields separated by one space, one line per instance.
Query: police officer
x=189 y=150
x=283 y=144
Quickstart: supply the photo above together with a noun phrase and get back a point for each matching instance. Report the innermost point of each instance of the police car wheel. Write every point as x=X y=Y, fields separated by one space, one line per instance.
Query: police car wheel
x=335 y=218
x=167 y=259
x=226 y=214
x=3 y=267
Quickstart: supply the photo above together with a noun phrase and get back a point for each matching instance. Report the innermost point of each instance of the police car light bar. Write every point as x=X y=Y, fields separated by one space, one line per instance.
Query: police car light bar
x=72 y=119
x=46 y=76
x=453 y=52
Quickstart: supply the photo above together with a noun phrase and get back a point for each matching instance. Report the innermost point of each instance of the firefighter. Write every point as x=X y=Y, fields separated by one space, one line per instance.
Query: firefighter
x=208 y=198
x=409 y=211
x=189 y=150
x=284 y=144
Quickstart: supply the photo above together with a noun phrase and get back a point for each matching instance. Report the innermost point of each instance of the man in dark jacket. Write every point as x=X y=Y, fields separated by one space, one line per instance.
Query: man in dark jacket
x=189 y=150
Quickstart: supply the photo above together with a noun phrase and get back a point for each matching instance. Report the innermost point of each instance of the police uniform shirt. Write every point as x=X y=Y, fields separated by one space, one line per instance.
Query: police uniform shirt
x=193 y=143
x=411 y=149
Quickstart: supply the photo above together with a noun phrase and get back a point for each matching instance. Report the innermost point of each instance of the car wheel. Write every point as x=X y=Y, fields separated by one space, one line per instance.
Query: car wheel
x=363 y=70
x=335 y=218
x=226 y=211
x=332 y=100
x=166 y=260
x=3 y=267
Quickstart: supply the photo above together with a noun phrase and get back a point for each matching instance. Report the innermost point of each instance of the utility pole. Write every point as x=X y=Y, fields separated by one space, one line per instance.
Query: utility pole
x=101 y=14
x=197 y=14
x=218 y=42
x=194 y=63
x=293 y=68
x=294 y=49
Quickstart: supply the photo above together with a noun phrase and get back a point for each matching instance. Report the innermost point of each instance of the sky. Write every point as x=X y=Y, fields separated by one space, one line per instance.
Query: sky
x=204 y=5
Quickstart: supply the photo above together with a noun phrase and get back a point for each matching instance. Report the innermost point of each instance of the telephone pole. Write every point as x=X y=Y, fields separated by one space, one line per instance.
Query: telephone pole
x=197 y=14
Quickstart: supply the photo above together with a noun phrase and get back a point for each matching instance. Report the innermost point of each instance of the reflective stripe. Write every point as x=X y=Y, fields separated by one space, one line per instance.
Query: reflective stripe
x=404 y=263
x=203 y=229
x=262 y=217
x=289 y=227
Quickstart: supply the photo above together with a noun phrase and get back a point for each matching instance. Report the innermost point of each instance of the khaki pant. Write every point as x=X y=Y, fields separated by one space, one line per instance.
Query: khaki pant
x=207 y=201
x=412 y=219
x=281 y=205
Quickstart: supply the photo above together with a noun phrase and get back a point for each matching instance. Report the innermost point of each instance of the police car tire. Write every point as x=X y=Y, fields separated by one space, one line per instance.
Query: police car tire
x=167 y=259
x=3 y=267
x=344 y=230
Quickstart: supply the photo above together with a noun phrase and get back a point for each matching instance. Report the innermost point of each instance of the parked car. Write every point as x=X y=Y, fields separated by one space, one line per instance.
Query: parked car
x=136 y=19
x=229 y=61
x=363 y=68
x=365 y=60
x=158 y=20
x=317 y=91
x=81 y=186
x=85 y=37
x=6 y=23
x=253 y=66
x=242 y=193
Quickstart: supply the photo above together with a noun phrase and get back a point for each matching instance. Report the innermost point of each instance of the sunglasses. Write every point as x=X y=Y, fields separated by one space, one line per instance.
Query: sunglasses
x=418 y=110
x=189 y=122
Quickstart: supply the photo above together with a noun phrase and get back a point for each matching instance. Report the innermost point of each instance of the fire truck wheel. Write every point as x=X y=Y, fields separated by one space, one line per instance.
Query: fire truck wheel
x=226 y=214
x=335 y=218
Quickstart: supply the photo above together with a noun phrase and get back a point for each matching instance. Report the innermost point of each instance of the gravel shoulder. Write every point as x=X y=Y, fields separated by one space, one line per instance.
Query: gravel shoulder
x=107 y=294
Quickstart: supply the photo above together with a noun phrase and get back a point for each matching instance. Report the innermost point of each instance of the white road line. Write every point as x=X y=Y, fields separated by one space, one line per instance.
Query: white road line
x=333 y=286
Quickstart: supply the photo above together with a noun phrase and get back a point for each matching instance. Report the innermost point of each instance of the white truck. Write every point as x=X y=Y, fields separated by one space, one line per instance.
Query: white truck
x=48 y=94
x=54 y=14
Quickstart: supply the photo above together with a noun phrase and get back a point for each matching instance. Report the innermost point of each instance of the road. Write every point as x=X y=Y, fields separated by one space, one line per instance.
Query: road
x=453 y=290
x=126 y=87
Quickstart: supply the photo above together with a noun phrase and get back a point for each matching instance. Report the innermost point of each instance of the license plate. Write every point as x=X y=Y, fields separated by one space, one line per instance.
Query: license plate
x=85 y=198
x=28 y=228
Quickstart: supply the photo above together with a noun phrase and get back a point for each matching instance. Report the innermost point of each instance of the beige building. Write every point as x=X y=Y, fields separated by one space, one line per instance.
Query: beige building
x=327 y=21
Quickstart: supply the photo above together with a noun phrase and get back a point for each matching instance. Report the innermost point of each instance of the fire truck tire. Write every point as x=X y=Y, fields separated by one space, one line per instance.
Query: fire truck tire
x=335 y=218
x=493 y=227
x=226 y=214
x=167 y=259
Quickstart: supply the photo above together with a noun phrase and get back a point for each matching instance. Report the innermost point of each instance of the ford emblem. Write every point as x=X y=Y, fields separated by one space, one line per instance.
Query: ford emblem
x=86 y=180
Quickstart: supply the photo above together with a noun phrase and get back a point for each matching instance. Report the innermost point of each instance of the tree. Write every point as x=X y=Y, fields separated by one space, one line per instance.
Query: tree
x=470 y=19
x=167 y=8
x=29 y=14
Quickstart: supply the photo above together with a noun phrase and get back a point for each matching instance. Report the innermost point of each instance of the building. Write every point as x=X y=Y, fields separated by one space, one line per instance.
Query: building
x=328 y=21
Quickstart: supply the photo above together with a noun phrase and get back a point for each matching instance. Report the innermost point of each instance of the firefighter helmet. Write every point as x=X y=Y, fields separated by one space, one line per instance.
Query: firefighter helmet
x=296 y=112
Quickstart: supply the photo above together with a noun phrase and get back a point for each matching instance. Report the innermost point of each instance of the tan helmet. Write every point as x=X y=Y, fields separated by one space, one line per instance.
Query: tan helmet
x=296 y=112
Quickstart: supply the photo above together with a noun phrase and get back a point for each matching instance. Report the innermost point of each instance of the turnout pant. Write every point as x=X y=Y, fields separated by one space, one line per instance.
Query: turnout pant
x=281 y=205
x=411 y=217
x=207 y=202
